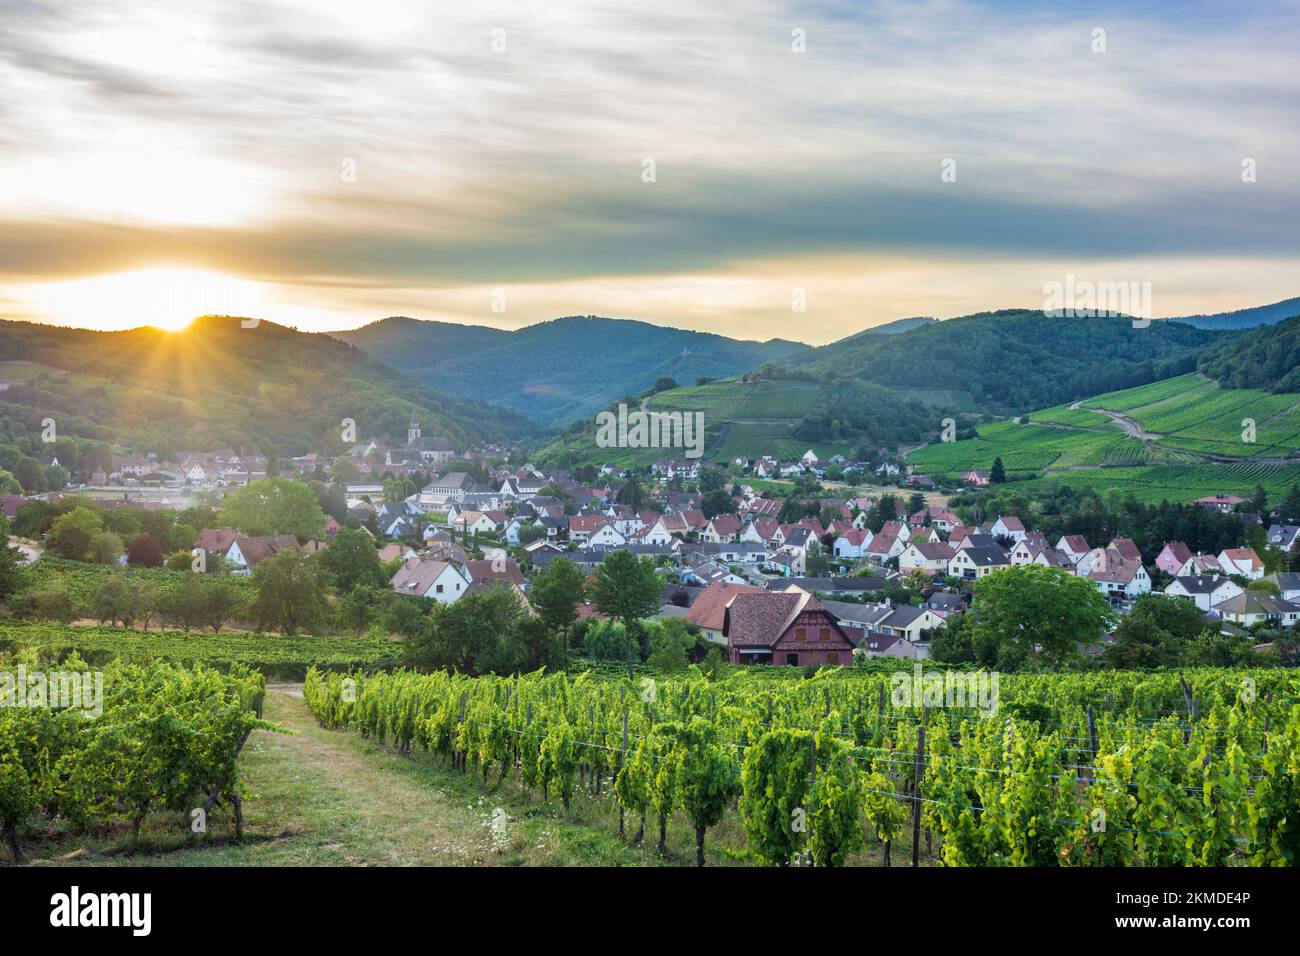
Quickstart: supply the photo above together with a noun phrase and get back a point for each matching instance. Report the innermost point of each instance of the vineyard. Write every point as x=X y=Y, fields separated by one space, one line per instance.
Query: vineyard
x=274 y=656
x=1108 y=769
x=166 y=740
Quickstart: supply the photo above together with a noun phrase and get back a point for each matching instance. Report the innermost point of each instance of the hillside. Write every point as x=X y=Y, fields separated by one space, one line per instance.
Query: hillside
x=217 y=384
x=1244 y=318
x=1015 y=360
x=1266 y=358
x=1180 y=438
x=557 y=371
x=754 y=416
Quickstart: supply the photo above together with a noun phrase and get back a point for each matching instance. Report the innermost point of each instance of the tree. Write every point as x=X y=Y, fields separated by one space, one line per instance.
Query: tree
x=107 y=548
x=10 y=576
x=669 y=646
x=352 y=561
x=145 y=551
x=274 y=506
x=122 y=599
x=72 y=535
x=631 y=494
x=705 y=777
x=1155 y=633
x=998 y=475
x=290 y=592
x=555 y=595
x=717 y=502
x=1289 y=511
x=182 y=603
x=626 y=587
x=664 y=383
x=1040 y=610
x=884 y=508
x=223 y=601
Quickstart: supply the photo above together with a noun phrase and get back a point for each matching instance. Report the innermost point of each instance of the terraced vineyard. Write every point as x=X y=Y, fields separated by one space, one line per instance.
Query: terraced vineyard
x=1190 y=419
x=1191 y=413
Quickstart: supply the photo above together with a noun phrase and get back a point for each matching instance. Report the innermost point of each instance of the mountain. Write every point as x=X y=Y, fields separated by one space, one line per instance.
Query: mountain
x=1016 y=360
x=557 y=371
x=217 y=384
x=1267 y=358
x=1244 y=318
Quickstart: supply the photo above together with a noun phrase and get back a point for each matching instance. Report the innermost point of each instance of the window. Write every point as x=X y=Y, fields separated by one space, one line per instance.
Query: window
x=825 y=634
x=439 y=588
x=800 y=634
x=832 y=658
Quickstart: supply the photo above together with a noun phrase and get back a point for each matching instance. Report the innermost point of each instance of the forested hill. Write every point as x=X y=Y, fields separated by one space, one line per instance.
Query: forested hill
x=1017 y=360
x=1266 y=358
x=564 y=369
x=1244 y=318
x=217 y=384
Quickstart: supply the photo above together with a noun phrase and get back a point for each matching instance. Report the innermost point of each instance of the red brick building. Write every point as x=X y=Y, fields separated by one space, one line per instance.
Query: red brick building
x=784 y=627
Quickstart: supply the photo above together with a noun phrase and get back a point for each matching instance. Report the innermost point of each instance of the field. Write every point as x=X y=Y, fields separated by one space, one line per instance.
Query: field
x=1191 y=413
x=286 y=658
x=524 y=771
x=1188 y=418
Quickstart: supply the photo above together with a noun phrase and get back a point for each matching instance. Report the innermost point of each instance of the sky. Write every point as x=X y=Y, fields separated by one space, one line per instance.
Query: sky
x=758 y=169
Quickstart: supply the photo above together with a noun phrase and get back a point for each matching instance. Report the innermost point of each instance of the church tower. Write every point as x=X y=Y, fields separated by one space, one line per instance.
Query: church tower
x=413 y=429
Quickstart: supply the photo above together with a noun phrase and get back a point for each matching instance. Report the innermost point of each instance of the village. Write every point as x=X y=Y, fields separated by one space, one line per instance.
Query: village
x=820 y=590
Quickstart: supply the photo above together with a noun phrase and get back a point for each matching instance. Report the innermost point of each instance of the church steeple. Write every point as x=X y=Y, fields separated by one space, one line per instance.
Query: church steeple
x=413 y=430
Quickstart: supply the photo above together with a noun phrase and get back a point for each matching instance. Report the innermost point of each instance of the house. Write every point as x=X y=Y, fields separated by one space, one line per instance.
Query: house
x=783 y=627
x=1201 y=564
x=1206 y=590
x=762 y=530
x=707 y=609
x=852 y=543
x=975 y=561
x=1243 y=561
x=1283 y=536
x=1121 y=579
x=975 y=476
x=245 y=553
x=910 y=623
x=926 y=556
x=500 y=569
x=436 y=579
x=1173 y=557
x=581 y=527
x=940 y=518
x=474 y=522
x=1288 y=584
x=606 y=536
x=723 y=527
x=453 y=486
x=1223 y=503
x=1009 y=527
x=943 y=603
x=874 y=644
x=1254 y=607
x=216 y=541
x=710 y=572
x=1074 y=546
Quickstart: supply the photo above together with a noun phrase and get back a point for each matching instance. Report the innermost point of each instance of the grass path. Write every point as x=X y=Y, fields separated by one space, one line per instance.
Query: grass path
x=328 y=798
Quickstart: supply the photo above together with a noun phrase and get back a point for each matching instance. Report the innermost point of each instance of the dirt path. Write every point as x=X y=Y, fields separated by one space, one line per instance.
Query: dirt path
x=1131 y=427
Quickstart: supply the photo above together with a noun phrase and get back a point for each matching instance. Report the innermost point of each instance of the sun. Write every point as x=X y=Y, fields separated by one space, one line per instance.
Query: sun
x=165 y=298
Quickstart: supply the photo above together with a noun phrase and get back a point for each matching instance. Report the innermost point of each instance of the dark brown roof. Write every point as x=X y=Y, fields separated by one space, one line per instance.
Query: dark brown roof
x=707 y=610
x=489 y=569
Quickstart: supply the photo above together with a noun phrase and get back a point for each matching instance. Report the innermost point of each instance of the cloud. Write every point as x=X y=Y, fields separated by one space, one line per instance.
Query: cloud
x=217 y=137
